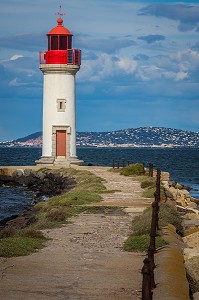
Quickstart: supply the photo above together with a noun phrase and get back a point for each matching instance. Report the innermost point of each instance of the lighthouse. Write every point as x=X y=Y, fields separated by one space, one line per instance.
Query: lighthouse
x=59 y=65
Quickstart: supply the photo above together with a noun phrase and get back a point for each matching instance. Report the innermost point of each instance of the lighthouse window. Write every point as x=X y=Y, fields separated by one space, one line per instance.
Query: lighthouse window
x=69 y=42
x=54 y=43
x=63 y=43
x=61 y=105
x=49 y=43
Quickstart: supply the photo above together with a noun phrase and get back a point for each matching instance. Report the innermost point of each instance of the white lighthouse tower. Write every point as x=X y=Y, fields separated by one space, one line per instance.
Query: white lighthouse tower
x=59 y=66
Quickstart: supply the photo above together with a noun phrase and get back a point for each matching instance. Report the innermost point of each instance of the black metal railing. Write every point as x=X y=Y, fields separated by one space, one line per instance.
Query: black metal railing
x=148 y=281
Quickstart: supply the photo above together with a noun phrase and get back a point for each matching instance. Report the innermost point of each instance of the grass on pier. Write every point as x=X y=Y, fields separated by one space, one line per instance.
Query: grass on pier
x=141 y=243
x=141 y=226
x=53 y=213
x=138 y=173
x=57 y=210
x=22 y=242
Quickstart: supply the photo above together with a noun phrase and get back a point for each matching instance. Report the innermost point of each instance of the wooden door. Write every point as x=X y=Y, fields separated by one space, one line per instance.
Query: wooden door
x=61 y=143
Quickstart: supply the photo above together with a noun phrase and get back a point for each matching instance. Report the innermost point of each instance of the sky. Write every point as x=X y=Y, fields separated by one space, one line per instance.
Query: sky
x=140 y=63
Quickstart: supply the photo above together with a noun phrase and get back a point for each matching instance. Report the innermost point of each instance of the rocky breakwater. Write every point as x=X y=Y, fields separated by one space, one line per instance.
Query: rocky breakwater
x=43 y=184
x=179 y=196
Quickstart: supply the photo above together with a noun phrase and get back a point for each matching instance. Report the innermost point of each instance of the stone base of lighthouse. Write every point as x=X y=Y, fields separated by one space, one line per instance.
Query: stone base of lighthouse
x=60 y=149
x=58 y=161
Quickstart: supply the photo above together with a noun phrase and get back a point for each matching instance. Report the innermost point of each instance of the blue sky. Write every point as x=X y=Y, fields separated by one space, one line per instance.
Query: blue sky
x=140 y=63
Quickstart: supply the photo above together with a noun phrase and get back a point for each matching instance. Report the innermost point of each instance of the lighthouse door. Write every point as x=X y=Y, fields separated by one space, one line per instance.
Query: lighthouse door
x=61 y=143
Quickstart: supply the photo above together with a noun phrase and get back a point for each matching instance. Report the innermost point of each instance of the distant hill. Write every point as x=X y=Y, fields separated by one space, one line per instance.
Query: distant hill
x=145 y=136
x=30 y=137
x=133 y=137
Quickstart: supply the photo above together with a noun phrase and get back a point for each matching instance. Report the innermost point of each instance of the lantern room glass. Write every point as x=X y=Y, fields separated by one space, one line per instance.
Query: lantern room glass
x=59 y=42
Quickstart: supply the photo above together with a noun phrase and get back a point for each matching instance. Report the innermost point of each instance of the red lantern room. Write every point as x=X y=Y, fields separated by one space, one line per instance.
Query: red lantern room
x=60 y=47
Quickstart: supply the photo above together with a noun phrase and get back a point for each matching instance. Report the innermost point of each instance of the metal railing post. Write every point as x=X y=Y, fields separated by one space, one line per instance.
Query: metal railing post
x=150 y=170
x=123 y=163
x=152 y=245
x=146 y=281
x=113 y=164
x=158 y=179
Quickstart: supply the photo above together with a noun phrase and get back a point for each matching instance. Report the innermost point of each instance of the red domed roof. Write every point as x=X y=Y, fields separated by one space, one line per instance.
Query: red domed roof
x=60 y=29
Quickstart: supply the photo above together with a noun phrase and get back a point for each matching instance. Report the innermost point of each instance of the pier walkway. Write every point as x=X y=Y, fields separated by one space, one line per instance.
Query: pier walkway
x=84 y=260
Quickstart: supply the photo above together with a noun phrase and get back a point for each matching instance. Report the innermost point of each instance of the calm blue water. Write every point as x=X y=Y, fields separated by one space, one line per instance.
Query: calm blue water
x=183 y=165
x=13 y=200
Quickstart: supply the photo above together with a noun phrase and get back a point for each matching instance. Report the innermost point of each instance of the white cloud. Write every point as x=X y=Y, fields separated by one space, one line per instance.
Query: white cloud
x=181 y=75
x=106 y=66
x=17 y=82
x=127 y=65
x=16 y=56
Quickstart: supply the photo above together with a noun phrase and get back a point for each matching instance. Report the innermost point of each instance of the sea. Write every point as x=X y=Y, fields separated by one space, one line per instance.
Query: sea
x=181 y=163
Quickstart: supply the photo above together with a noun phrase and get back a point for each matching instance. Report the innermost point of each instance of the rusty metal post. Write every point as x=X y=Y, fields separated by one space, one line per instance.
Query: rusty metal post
x=113 y=164
x=154 y=226
x=158 y=177
x=152 y=246
x=118 y=164
x=123 y=163
x=146 y=281
x=150 y=170
x=157 y=196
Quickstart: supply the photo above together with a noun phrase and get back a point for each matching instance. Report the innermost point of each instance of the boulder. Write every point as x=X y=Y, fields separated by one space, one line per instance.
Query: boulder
x=189 y=253
x=188 y=188
x=168 y=194
x=17 y=173
x=187 y=224
x=174 y=192
x=192 y=205
x=172 y=183
x=27 y=172
x=185 y=193
x=182 y=187
x=25 y=219
x=178 y=186
x=191 y=216
x=181 y=202
x=192 y=240
x=42 y=184
x=192 y=210
x=40 y=175
x=192 y=268
x=181 y=209
x=7 y=180
x=165 y=183
x=196 y=296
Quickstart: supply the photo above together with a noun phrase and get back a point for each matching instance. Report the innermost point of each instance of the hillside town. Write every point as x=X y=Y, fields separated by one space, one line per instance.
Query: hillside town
x=153 y=137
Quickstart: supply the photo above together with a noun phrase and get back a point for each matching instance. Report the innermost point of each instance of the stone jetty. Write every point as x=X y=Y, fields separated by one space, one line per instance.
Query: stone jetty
x=85 y=259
